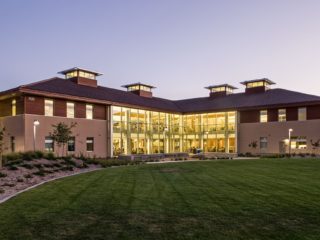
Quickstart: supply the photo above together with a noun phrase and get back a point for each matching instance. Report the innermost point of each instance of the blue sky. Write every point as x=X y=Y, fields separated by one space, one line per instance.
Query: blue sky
x=180 y=46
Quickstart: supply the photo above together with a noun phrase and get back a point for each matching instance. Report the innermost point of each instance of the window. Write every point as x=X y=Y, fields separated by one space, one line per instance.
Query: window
x=302 y=114
x=89 y=111
x=48 y=107
x=298 y=143
x=72 y=144
x=90 y=144
x=282 y=115
x=14 y=107
x=263 y=116
x=72 y=74
x=13 y=144
x=263 y=142
x=70 y=110
x=255 y=84
x=49 y=144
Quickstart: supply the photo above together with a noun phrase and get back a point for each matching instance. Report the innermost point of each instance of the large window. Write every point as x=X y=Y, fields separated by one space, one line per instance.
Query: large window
x=70 y=110
x=263 y=116
x=14 y=107
x=49 y=144
x=298 y=143
x=137 y=131
x=282 y=115
x=72 y=144
x=302 y=114
x=89 y=111
x=90 y=144
x=48 y=107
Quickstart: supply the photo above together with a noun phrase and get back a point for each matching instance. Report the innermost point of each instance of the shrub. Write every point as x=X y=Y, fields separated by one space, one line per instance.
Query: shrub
x=84 y=165
x=48 y=165
x=70 y=162
x=67 y=168
x=12 y=168
x=49 y=156
x=27 y=166
x=248 y=154
x=13 y=162
x=12 y=157
x=8 y=185
x=28 y=156
x=67 y=158
x=58 y=165
x=40 y=173
x=38 y=165
x=38 y=154
x=82 y=157
x=19 y=180
x=2 y=175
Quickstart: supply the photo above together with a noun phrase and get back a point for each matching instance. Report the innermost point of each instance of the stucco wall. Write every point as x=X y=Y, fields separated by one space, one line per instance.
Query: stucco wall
x=14 y=127
x=85 y=128
x=276 y=132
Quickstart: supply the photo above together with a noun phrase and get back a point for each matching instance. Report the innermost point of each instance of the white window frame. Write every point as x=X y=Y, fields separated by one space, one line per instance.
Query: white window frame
x=48 y=107
x=263 y=117
x=70 y=107
x=282 y=115
x=89 y=111
x=302 y=116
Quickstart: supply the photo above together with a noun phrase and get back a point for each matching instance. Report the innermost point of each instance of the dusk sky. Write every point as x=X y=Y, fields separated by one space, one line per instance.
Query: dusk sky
x=179 y=46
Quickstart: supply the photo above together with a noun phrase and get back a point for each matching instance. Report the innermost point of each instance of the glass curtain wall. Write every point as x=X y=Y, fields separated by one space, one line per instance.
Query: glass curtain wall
x=137 y=131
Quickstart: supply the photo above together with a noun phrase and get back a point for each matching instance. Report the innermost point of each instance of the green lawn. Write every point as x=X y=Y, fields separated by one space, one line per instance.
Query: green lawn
x=247 y=199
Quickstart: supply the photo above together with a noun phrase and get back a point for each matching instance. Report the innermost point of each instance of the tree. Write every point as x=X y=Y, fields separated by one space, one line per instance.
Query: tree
x=62 y=133
x=316 y=144
x=2 y=131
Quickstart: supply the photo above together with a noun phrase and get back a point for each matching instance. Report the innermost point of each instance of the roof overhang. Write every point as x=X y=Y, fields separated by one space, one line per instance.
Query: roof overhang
x=64 y=72
x=266 y=80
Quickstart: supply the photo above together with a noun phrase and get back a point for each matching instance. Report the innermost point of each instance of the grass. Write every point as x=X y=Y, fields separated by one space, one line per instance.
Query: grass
x=247 y=199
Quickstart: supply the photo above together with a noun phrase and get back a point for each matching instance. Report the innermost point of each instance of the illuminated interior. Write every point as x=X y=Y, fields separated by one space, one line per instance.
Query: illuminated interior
x=79 y=73
x=137 y=131
x=138 y=87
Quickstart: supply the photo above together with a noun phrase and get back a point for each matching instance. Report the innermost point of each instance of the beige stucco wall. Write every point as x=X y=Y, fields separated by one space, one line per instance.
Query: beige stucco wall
x=85 y=128
x=14 y=127
x=276 y=132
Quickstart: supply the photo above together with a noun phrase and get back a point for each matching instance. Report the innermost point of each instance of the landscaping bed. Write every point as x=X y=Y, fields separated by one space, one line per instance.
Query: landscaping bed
x=19 y=174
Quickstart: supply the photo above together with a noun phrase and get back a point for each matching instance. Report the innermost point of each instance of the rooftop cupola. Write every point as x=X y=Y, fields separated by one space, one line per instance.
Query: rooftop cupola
x=220 y=90
x=140 y=89
x=81 y=76
x=257 y=85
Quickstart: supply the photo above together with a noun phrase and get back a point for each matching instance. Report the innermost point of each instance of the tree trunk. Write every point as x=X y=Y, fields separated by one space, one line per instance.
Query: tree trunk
x=1 y=160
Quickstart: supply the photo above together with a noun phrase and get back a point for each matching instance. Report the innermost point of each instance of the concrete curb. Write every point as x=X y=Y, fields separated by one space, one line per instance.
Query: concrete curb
x=49 y=180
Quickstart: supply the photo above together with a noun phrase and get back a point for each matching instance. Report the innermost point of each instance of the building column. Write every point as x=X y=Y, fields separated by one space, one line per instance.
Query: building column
x=109 y=143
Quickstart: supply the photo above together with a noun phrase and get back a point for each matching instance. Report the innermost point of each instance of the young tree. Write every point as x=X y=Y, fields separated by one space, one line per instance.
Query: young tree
x=2 y=131
x=61 y=134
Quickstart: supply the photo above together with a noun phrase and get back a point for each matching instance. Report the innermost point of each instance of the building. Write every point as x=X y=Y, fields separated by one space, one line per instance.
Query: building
x=111 y=122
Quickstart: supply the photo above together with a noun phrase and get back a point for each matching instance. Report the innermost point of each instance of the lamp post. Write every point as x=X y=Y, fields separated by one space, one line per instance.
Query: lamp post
x=290 y=130
x=36 y=123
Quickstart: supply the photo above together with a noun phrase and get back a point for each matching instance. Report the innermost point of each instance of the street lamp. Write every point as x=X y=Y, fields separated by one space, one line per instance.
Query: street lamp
x=36 y=123
x=290 y=130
